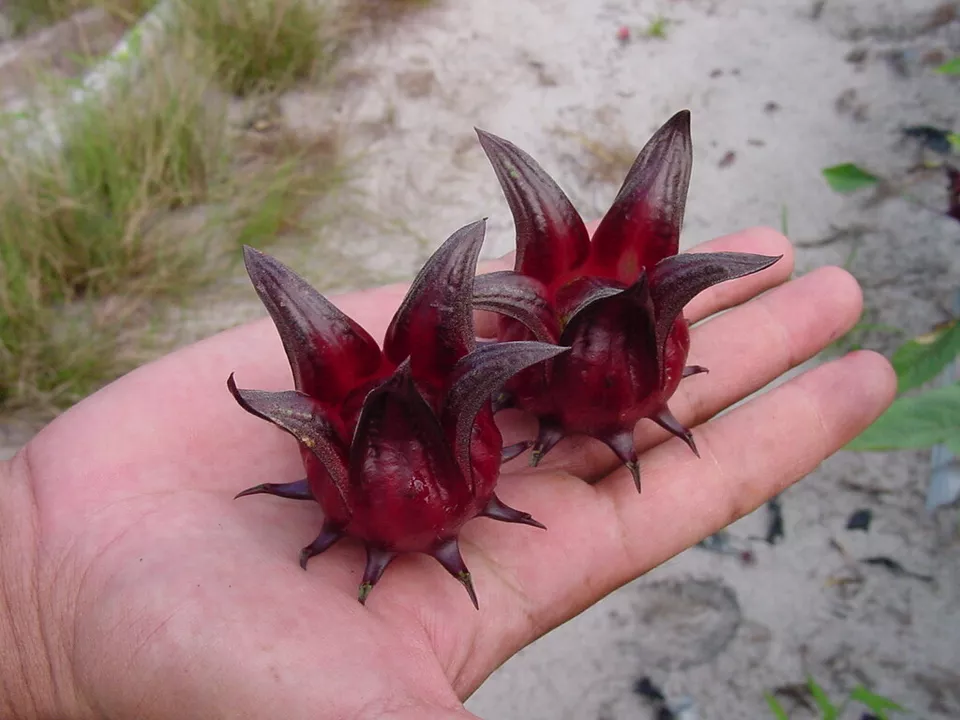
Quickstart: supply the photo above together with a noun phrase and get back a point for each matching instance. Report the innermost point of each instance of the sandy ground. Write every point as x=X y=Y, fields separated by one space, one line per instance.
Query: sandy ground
x=778 y=90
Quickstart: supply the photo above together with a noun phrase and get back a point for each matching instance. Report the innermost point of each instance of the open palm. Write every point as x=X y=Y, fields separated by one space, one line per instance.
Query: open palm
x=162 y=597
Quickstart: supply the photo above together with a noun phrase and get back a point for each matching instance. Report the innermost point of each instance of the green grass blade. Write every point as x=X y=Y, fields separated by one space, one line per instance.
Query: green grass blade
x=878 y=704
x=950 y=67
x=848 y=178
x=828 y=710
x=776 y=708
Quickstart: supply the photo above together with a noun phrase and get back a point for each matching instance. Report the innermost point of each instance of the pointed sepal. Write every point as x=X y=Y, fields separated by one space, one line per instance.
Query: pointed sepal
x=622 y=444
x=668 y=422
x=643 y=225
x=448 y=555
x=514 y=451
x=329 y=535
x=306 y=419
x=551 y=236
x=548 y=435
x=520 y=297
x=677 y=280
x=476 y=378
x=329 y=353
x=377 y=561
x=434 y=325
x=298 y=490
x=498 y=510
x=691 y=370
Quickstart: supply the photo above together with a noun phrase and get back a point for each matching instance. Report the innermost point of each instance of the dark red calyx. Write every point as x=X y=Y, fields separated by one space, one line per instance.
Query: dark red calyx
x=619 y=307
x=400 y=449
x=611 y=377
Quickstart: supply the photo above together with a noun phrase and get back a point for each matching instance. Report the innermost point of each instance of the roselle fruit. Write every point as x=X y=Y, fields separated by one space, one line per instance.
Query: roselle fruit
x=616 y=300
x=399 y=446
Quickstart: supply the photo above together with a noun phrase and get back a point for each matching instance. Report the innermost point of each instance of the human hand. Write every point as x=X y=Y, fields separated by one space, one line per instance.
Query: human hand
x=136 y=587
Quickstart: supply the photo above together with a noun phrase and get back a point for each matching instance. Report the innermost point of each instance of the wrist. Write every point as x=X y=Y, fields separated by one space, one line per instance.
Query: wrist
x=27 y=670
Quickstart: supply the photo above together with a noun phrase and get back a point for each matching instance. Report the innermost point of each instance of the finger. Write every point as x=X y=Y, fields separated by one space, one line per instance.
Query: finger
x=753 y=345
x=748 y=456
x=745 y=349
x=759 y=240
x=602 y=536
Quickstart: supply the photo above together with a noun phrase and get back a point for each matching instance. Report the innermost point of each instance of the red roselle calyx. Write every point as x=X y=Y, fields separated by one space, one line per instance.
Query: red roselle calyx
x=615 y=300
x=399 y=446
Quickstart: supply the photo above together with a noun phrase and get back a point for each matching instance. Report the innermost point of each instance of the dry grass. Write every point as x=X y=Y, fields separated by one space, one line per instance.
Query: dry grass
x=28 y=15
x=76 y=221
x=263 y=46
x=275 y=176
x=292 y=40
x=605 y=160
x=148 y=197
x=657 y=28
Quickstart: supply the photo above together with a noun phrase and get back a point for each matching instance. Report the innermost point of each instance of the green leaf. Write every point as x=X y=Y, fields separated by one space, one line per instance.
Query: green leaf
x=848 y=177
x=954 y=139
x=776 y=708
x=828 y=710
x=950 y=67
x=920 y=421
x=922 y=358
x=873 y=702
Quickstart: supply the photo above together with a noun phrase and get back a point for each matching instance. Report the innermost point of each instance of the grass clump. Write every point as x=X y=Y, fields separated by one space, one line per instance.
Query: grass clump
x=657 y=28
x=147 y=196
x=76 y=230
x=266 y=46
x=149 y=193
x=605 y=159
x=81 y=212
x=27 y=15
x=262 y=46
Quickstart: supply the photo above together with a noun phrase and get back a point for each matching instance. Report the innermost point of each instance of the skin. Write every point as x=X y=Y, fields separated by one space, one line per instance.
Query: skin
x=133 y=585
